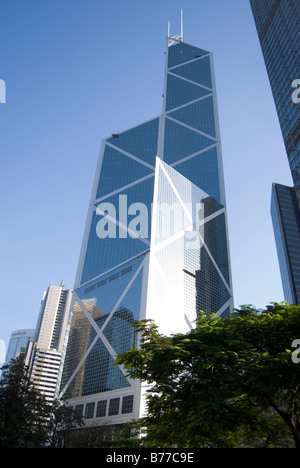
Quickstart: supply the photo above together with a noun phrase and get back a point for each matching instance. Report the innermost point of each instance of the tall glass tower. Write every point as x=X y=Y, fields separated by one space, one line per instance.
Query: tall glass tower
x=155 y=244
x=278 y=28
x=286 y=222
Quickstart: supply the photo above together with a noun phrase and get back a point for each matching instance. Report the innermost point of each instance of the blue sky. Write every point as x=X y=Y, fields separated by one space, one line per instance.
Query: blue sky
x=77 y=71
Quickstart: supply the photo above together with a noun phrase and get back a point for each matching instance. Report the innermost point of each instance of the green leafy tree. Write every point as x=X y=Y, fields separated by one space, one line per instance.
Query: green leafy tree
x=26 y=418
x=229 y=382
x=62 y=424
x=23 y=410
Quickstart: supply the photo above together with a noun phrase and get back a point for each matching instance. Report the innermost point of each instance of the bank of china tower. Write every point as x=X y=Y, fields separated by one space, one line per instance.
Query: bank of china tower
x=155 y=244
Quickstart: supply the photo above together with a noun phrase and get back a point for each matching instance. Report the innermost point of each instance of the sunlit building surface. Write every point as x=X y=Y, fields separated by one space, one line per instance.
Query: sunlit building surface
x=44 y=352
x=155 y=244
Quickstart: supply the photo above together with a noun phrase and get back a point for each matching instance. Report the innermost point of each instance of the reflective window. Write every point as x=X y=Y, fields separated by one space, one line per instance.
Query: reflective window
x=79 y=409
x=118 y=170
x=111 y=239
x=199 y=115
x=89 y=410
x=114 y=404
x=181 y=142
x=140 y=141
x=127 y=404
x=203 y=171
x=182 y=52
x=197 y=71
x=180 y=92
x=101 y=409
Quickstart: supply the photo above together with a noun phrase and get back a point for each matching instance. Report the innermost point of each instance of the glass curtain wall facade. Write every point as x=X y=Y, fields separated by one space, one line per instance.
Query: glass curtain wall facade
x=18 y=344
x=278 y=27
x=286 y=222
x=155 y=244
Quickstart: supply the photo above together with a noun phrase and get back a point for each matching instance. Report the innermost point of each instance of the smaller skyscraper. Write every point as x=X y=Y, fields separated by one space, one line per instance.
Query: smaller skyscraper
x=18 y=343
x=286 y=224
x=44 y=354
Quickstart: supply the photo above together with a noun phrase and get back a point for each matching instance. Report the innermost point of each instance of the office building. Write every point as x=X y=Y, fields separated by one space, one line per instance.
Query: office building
x=18 y=343
x=44 y=352
x=278 y=28
x=286 y=222
x=155 y=244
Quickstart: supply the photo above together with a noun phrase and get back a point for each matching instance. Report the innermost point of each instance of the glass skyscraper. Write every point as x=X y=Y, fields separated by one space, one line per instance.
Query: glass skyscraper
x=155 y=244
x=278 y=28
x=286 y=221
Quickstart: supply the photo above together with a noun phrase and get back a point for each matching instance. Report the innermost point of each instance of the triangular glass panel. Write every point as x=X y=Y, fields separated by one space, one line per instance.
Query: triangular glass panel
x=117 y=171
x=203 y=171
x=105 y=291
x=182 y=52
x=214 y=232
x=172 y=216
x=198 y=71
x=211 y=292
x=78 y=343
x=181 y=92
x=140 y=141
x=100 y=374
x=111 y=240
x=181 y=141
x=199 y=115
x=119 y=330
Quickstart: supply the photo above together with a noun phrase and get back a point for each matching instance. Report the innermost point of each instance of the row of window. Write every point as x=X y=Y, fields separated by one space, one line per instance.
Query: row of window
x=105 y=408
x=109 y=279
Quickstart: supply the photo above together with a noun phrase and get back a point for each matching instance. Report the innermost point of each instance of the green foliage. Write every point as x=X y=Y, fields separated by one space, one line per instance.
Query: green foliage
x=26 y=418
x=229 y=382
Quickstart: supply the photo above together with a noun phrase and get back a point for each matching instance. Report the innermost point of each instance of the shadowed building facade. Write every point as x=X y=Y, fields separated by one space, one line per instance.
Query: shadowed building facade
x=278 y=27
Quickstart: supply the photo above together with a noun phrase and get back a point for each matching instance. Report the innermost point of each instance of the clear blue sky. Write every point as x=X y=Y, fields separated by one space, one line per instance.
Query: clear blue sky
x=77 y=71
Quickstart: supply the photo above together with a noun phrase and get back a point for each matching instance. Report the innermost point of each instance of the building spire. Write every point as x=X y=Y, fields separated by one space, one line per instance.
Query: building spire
x=179 y=37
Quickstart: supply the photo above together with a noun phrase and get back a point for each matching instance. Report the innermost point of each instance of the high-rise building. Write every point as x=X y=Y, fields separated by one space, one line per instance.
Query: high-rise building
x=155 y=244
x=44 y=352
x=278 y=28
x=286 y=222
x=18 y=343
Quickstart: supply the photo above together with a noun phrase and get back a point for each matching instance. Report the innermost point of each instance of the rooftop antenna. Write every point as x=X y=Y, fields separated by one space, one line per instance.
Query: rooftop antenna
x=181 y=29
x=179 y=37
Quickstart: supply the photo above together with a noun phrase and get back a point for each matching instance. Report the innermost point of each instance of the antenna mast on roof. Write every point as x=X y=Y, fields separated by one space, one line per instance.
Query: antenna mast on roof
x=179 y=37
x=181 y=29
